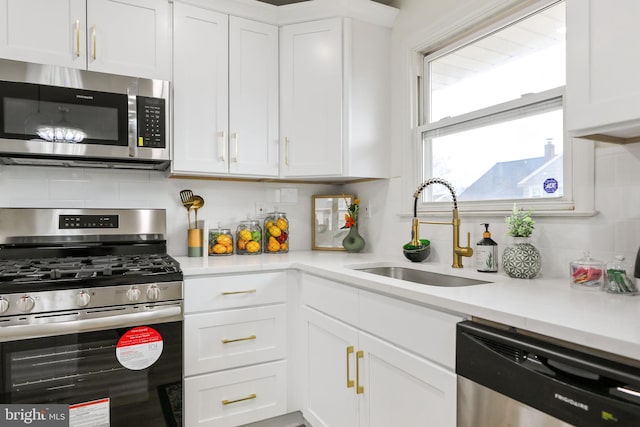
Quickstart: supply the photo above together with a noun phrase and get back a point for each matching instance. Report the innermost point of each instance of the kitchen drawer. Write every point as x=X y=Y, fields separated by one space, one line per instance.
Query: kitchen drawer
x=228 y=339
x=332 y=298
x=231 y=291
x=428 y=332
x=251 y=394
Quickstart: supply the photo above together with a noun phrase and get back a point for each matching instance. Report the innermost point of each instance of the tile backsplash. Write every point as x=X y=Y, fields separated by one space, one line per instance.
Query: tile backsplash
x=226 y=202
x=614 y=230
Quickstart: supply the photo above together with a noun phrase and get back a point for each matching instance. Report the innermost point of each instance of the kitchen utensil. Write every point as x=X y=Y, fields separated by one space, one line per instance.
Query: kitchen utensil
x=186 y=196
x=198 y=202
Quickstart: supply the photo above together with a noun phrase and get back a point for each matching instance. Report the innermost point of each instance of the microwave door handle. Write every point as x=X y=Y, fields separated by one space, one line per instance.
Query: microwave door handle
x=47 y=329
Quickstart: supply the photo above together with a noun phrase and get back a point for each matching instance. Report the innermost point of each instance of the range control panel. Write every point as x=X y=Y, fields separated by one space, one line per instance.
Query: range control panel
x=66 y=222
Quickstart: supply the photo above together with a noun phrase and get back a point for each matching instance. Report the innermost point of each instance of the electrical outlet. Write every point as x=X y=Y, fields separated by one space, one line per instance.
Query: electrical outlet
x=367 y=210
x=261 y=209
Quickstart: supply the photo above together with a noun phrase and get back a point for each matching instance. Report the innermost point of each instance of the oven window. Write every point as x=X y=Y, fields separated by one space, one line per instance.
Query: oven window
x=80 y=368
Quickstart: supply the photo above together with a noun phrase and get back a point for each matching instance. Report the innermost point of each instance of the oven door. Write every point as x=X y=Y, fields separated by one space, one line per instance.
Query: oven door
x=124 y=376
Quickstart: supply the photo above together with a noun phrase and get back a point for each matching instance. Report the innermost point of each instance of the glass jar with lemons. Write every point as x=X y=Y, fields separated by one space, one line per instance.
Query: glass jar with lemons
x=276 y=233
x=249 y=238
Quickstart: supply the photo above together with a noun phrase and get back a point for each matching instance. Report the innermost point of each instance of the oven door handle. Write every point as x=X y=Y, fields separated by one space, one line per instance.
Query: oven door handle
x=48 y=329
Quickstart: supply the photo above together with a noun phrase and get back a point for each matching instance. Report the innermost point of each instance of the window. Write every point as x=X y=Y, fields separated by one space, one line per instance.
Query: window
x=493 y=114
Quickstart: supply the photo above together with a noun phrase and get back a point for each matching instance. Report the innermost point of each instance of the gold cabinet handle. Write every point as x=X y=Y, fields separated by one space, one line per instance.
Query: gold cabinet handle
x=286 y=150
x=250 y=337
x=78 y=38
x=95 y=44
x=229 y=402
x=359 y=388
x=224 y=145
x=235 y=138
x=248 y=291
x=349 y=380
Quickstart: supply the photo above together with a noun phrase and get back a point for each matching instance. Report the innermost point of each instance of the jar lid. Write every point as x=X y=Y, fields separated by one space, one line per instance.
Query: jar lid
x=587 y=260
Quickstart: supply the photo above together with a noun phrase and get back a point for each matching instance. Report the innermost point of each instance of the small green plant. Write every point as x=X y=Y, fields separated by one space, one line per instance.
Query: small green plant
x=520 y=223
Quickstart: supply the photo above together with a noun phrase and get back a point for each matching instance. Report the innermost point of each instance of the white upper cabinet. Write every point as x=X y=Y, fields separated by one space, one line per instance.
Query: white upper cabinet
x=225 y=95
x=200 y=90
x=334 y=88
x=603 y=84
x=44 y=31
x=129 y=37
x=253 y=97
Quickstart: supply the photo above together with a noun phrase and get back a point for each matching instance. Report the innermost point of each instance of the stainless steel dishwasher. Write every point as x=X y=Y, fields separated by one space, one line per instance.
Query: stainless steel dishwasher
x=508 y=378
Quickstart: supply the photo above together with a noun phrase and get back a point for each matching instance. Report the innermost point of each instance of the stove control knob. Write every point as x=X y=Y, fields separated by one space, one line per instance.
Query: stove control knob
x=4 y=305
x=83 y=298
x=25 y=303
x=153 y=292
x=133 y=294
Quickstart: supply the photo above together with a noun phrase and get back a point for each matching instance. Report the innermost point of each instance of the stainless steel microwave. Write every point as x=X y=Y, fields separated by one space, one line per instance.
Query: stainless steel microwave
x=59 y=116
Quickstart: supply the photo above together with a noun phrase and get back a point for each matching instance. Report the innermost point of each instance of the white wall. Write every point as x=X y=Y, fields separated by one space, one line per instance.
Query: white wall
x=614 y=230
x=225 y=202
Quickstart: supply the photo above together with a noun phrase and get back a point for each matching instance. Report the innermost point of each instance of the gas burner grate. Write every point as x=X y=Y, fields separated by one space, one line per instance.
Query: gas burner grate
x=73 y=268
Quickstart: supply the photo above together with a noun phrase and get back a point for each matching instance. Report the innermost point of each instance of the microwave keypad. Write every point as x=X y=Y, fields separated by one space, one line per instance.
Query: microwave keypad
x=151 y=122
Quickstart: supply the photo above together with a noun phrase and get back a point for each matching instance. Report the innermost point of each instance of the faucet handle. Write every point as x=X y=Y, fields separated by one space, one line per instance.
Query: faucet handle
x=468 y=239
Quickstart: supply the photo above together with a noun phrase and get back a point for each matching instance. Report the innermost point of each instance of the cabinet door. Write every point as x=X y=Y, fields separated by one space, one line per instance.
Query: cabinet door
x=329 y=401
x=44 y=31
x=401 y=389
x=603 y=85
x=130 y=37
x=200 y=90
x=253 y=97
x=311 y=98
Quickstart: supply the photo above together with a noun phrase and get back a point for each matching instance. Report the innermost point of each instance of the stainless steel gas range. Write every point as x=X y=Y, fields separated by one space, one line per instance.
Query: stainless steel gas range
x=91 y=315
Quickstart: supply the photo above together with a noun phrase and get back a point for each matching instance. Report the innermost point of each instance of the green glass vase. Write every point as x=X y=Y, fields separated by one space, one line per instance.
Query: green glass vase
x=353 y=242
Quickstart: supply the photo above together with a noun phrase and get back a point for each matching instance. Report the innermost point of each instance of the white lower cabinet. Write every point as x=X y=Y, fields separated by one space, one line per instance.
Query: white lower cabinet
x=235 y=334
x=234 y=397
x=354 y=378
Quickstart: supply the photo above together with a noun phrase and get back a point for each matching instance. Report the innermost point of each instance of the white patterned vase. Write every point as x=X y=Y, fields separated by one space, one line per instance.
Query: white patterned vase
x=521 y=259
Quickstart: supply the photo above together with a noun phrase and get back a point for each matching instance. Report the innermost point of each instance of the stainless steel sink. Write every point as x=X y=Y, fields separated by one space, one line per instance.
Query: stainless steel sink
x=422 y=277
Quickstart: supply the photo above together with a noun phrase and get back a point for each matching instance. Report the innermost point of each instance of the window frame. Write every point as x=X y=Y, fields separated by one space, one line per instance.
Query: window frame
x=578 y=196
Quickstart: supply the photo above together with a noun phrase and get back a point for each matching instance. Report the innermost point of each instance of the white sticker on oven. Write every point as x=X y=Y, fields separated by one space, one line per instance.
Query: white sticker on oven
x=89 y=414
x=139 y=348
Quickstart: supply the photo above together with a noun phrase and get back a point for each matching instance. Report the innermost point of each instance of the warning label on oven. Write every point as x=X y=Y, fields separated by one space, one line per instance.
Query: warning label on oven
x=139 y=348
x=89 y=414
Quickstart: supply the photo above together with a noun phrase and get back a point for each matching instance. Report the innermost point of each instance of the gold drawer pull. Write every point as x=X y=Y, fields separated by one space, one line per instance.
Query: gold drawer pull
x=251 y=337
x=349 y=380
x=250 y=291
x=229 y=402
x=359 y=388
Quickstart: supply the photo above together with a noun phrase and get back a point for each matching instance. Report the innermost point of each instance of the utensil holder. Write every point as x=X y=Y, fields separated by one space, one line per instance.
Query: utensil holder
x=194 y=242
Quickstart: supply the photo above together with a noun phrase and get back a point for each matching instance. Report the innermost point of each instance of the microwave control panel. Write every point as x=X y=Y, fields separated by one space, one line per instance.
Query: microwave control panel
x=151 y=122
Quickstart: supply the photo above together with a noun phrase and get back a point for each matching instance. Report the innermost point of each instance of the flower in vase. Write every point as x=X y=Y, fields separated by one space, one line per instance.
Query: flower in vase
x=351 y=217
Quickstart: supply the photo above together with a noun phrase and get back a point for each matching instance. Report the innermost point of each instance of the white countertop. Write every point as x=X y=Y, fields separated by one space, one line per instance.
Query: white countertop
x=545 y=306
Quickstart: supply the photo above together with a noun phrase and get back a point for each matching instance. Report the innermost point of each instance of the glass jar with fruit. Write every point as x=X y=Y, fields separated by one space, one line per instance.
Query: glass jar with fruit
x=220 y=241
x=276 y=233
x=249 y=238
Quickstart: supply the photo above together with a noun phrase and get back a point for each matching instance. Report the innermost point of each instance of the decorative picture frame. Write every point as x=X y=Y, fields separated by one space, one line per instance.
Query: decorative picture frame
x=327 y=221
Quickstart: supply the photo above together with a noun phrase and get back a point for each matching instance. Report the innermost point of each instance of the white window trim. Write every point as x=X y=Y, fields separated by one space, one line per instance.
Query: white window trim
x=579 y=155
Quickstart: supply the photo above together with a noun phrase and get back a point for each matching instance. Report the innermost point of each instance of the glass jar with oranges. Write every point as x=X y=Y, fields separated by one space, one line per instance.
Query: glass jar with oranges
x=220 y=241
x=276 y=233
x=249 y=238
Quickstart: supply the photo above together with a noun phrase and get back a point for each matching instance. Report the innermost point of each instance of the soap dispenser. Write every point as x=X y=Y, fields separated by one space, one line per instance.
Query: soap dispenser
x=487 y=253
